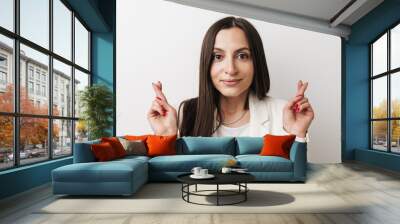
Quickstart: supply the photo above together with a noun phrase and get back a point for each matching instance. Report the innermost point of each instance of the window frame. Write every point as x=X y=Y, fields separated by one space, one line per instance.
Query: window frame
x=3 y=70
x=15 y=72
x=388 y=74
x=3 y=74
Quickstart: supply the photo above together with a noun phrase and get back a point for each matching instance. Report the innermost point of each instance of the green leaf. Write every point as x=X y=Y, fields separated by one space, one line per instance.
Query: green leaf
x=97 y=103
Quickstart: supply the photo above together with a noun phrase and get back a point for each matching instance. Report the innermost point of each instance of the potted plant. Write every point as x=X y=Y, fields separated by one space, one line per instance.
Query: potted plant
x=96 y=102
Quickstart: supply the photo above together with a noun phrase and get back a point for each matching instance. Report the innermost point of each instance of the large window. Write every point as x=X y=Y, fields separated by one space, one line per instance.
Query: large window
x=44 y=64
x=385 y=91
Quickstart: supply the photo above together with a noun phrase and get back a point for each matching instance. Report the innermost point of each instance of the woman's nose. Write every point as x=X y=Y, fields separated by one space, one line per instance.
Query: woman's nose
x=230 y=67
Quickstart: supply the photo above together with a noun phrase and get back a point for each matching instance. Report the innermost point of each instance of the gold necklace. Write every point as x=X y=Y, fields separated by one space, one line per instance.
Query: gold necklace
x=240 y=118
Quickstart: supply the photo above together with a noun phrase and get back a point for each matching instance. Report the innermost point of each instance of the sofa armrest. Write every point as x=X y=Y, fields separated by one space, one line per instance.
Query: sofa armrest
x=83 y=152
x=298 y=155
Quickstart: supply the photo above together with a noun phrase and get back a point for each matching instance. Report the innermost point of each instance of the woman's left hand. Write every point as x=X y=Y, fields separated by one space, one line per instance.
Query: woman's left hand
x=298 y=113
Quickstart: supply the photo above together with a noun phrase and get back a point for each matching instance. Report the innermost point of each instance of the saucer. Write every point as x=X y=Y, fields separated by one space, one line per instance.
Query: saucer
x=240 y=171
x=208 y=176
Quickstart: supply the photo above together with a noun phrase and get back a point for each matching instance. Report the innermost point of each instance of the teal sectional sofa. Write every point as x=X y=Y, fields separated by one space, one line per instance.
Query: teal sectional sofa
x=125 y=176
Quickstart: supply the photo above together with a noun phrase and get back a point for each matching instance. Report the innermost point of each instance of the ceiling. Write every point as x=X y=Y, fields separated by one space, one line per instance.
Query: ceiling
x=326 y=16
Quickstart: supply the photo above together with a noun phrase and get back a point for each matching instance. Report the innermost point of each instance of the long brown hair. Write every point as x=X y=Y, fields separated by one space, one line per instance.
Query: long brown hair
x=198 y=113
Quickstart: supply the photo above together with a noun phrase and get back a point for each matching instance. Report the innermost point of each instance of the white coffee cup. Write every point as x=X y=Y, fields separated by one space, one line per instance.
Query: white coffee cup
x=203 y=172
x=226 y=170
x=196 y=170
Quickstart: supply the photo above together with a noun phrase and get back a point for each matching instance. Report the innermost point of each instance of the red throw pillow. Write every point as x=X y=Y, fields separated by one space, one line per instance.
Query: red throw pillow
x=103 y=151
x=116 y=145
x=161 y=145
x=275 y=145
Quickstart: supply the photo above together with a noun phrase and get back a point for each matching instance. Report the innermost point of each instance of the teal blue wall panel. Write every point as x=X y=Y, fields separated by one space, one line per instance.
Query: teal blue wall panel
x=356 y=82
x=24 y=178
x=357 y=99
x=376 y=158
x=375 y=22
x=89 y=11
x=103 y=63
x=102 y=58
x=103 y=53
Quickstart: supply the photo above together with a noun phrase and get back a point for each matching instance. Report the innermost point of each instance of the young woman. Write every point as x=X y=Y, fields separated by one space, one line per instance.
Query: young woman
x=233 y=100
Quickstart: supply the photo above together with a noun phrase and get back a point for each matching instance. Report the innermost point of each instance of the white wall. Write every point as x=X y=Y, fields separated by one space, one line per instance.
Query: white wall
x=159 y=40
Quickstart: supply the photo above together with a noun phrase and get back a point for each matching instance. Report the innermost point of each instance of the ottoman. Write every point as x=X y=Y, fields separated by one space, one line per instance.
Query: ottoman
x=118 y=177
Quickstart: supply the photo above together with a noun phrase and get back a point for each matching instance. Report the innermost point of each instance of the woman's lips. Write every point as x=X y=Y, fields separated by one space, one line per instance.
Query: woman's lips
x=231 y=82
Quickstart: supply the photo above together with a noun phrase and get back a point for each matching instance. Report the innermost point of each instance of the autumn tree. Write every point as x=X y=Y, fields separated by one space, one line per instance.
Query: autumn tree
x=33 y=131
x=6 y=122
x=380 y=127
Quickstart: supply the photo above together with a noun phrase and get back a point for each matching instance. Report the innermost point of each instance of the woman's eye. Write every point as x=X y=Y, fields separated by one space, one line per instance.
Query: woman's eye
x=243 y=56
x=217 y=56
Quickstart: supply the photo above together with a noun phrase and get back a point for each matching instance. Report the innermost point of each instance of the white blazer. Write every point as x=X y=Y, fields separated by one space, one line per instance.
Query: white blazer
x=266 y=116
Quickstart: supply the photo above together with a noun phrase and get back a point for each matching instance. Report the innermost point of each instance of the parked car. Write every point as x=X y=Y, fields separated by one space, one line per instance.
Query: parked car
x=36 y=154
x=22 y=155
x=57 y=152
x=10 y=157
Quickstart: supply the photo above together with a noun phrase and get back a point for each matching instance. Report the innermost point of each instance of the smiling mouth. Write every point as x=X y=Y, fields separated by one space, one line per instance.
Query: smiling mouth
x=230 y=82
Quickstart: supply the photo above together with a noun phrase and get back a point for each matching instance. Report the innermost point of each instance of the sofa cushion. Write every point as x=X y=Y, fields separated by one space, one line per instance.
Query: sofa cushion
x=131 y=158
x=206 y=145
x=111 y=171
x=134 y=147
x=257 y=163
x=103 y=152
x=277 y=145
x=185 y=163
x=116 y=145
x=161 y=145
x=83 y=152
x=249 y=145
x=136 y=137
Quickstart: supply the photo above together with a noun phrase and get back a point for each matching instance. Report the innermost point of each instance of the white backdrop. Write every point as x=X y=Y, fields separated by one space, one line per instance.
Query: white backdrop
x=160 y=40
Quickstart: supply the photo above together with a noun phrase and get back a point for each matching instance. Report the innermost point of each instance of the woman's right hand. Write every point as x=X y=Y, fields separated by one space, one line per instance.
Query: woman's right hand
x=162 y=116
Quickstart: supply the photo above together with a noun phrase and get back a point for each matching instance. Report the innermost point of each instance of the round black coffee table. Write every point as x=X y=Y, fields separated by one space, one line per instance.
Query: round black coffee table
x=238 y=179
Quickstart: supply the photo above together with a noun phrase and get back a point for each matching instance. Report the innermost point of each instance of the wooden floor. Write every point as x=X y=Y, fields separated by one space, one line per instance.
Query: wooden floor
x=353 y=182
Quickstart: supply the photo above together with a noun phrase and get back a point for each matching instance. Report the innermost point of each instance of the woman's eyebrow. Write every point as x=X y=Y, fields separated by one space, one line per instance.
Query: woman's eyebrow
x=240 y=49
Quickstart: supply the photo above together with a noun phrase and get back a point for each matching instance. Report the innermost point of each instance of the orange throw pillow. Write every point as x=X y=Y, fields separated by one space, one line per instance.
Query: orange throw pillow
x=116 y=145
x=161 y=145
x=135 y=138
x=275 y=145
x=103 y=151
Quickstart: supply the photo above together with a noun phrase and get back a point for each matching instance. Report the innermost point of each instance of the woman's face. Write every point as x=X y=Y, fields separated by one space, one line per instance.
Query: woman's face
x=232 y=67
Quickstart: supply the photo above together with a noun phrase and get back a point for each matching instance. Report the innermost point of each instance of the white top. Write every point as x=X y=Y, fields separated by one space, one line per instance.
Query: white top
x=232 y=132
